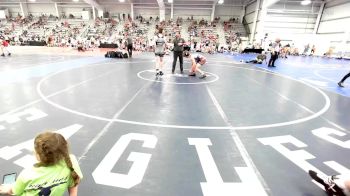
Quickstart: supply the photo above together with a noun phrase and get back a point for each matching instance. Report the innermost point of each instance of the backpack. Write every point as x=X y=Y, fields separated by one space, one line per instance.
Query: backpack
x=110 y=54
x=119 y=55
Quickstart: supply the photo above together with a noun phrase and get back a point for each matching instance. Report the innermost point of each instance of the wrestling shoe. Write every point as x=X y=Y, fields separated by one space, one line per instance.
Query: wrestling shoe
x=340 y=84
x=203 y=76
x=192 y=74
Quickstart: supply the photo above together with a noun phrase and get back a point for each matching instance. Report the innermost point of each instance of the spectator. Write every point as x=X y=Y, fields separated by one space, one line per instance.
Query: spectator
x=55 y=172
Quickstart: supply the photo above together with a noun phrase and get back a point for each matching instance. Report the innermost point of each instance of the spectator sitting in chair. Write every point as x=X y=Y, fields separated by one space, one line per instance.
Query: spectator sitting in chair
x=259 y=59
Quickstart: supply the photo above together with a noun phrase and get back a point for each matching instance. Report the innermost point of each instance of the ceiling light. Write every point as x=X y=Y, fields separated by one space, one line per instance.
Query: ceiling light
x=305 y=2
x=221 y=1
x=170 y=1
x=121 y=1
x=32 y=0
x=75 y=0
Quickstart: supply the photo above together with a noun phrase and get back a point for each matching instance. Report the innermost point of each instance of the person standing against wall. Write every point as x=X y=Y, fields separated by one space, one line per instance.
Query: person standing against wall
x=178 y=49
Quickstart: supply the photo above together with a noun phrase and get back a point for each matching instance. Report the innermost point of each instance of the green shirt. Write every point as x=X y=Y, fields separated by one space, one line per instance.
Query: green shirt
x=56 y=178
x=176 y=46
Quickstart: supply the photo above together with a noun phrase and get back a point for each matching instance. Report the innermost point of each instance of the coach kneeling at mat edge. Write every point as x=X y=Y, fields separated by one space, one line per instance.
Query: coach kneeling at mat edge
x=178 y=49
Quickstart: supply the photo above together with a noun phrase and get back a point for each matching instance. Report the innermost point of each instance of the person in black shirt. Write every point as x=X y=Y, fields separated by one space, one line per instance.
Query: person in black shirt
x=178 y=50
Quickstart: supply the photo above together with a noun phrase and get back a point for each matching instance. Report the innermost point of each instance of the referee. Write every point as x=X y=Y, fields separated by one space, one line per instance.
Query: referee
x=129 y=45
x=178 y=49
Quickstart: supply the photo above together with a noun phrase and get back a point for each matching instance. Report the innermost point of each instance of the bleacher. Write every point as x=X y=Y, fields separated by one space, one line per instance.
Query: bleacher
x=113 y=31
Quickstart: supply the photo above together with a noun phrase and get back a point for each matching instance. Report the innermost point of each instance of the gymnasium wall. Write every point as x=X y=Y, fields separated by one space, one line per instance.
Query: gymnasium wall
x=335 y=15
x=39 y=9
x=196 y=13
x=117 y=9
x=284 y=19
x=295 y=23
x=227 y=12
x=287 y=20
x=146 y=13
x=13 y=10
x=335 y=26
x=76 y=11
x=250 y=10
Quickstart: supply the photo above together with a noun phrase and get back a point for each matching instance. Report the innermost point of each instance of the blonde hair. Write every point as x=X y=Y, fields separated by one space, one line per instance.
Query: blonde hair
x=51 y=148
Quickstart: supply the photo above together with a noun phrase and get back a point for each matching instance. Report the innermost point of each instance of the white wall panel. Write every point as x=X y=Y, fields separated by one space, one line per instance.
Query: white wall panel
x=197 y=14
x=118 y=9
x=257 y=24
x=250 y=18
x=38 y=9
x=289 y=25
x=229 y=11
x=287 y=30
x=154 y=12
x=339 y=11
x=335 y=3
x=77 y=12
x=251 y=8
x=334 y=26
x=271 y=18
x=250 y=26
x=14 y=11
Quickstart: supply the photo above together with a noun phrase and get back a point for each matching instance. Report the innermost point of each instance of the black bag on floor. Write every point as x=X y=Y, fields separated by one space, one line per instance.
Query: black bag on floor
x=110 y=54
x=125 y=56
x=119 y=55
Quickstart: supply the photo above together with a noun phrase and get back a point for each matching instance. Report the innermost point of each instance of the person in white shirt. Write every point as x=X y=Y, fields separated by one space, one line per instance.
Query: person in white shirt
x=275 y=50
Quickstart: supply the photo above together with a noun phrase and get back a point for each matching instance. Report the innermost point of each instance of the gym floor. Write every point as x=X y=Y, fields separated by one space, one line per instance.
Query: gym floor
x=243 y=130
